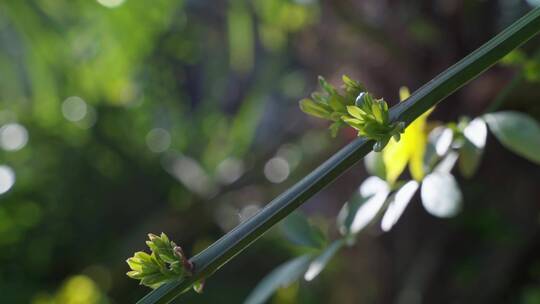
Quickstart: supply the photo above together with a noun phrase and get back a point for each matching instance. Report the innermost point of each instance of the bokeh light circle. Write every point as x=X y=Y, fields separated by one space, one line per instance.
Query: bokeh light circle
x=13 y=137
x=7 y=178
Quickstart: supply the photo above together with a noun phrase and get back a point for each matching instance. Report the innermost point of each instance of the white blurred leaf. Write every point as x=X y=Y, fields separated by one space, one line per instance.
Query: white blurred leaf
x=472 y=149
x=476 y=133
x=447 y=163
x=346 y=214
x=367 y=212
x=373 y=185
x=439 y=142
x=397 y=205
x=319 y=263
x=441 y=195
x=516 y=131
x=282 y=276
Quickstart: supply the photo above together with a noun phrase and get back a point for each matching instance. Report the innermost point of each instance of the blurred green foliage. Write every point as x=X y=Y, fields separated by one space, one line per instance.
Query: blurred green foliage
x=119 y=117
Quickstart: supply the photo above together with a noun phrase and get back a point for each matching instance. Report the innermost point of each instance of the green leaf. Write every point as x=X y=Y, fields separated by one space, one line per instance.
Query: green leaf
x=320 y=262
x=335 y=127
x=356 y=112
x=199 y=286
x=516 y=131
x=282 y=276
x=469 y=159
x=336 y=104
x=310 y=107
x=299 y=231
x=327 y=87
x=440 y=195
x=348 y=211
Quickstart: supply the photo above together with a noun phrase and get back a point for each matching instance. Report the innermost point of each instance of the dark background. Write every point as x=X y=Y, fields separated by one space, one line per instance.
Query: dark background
x=180 y=105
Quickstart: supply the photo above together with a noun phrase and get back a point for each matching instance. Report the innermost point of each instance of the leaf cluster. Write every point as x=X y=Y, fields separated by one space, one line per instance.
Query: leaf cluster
x=354 y=107
x=165 y=263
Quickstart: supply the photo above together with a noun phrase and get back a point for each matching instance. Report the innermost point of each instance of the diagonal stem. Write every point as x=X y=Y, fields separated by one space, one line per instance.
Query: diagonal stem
x=232 y=243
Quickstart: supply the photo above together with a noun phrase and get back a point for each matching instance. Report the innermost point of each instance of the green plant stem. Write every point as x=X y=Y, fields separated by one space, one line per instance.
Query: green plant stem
x=505 y=92
x=512 y=84
x=232 y=243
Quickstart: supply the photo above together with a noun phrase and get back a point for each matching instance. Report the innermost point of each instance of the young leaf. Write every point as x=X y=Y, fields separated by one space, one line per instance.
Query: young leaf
x=298 y=230
x=312 y=108
x=319 y=263
x=440 y=194
x=516 y=131
x=282 y=276
x=397 y=205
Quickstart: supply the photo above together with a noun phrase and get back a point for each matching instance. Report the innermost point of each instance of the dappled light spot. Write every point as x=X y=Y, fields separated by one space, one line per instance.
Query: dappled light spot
x=292 y=153
x=276 y=170
x=74 y=108
x=247 y=212
x=190 y=173
x=230 y=170
x=13 y=137
x=7 y=178
x=158 y=140
x=111 y=3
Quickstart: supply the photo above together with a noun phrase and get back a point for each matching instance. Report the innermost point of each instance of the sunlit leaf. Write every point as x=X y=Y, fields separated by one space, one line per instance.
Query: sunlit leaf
x=438 y=144
x=368 y=211
x=471 y=152
x=346 y=214
x=441 y=195
x=518 y=132
x=299 y=231
x=476 y=132
x=398 y=203
x=320 y=262
x=282 y=276
x=316 y=109
x=373 y=185
x=447 y=163
x=362 y=209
